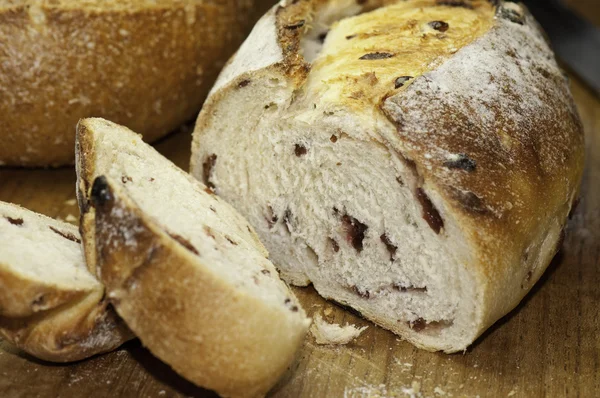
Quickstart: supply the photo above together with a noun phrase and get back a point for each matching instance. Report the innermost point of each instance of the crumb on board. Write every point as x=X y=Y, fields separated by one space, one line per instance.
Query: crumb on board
x=334 y=334
x=71 y=202
x=71 y=218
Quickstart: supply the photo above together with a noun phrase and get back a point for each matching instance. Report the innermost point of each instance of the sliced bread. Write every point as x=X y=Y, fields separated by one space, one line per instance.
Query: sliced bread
x=183 y=268
x=50 y=305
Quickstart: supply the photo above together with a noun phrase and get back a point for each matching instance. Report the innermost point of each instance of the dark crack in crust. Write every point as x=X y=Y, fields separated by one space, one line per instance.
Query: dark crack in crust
x=293 y=64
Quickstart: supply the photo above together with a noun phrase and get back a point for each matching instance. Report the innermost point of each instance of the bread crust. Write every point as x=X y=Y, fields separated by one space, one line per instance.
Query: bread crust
x=204 y=328
x=142 y=63
x=84 y=150
x=514 y=233
x=71 y=332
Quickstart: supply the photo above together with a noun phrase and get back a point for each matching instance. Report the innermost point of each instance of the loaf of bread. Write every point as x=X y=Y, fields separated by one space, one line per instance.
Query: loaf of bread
x=50 y=305
x=144 y=63
x=183 y=268
x=415 y=160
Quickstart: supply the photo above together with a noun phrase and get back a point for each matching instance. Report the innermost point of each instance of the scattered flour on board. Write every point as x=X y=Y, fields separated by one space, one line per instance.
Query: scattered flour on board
x=414 y=390
x=382 y=391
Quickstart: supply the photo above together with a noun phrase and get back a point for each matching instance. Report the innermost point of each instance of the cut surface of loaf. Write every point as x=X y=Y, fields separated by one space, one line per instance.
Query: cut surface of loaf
x=50 y=305
x=145 y=63
x=415 y=160
x=182 y=267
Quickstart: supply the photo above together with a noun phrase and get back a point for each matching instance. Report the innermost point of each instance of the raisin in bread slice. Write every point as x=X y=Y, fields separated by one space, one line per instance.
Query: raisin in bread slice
x=183 y=268
x=50 y=305
x=415 y=160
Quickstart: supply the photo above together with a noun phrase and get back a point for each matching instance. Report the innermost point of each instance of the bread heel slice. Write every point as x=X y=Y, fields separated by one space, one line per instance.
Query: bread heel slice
x=415 y=160
x=183 y=269
x=50 y=306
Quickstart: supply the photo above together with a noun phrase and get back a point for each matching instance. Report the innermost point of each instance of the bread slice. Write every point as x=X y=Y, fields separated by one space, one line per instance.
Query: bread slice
x=415 y=160
x=145 y=63
x=183 y=268
x=50 y=305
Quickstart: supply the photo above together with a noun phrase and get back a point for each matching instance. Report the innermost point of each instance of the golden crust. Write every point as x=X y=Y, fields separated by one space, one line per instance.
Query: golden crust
x=76 y=330
x=144 y=64
x=203 y=327
x=84 y=150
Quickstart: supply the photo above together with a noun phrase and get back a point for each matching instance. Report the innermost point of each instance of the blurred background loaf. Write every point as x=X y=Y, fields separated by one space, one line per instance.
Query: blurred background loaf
x=147 y=64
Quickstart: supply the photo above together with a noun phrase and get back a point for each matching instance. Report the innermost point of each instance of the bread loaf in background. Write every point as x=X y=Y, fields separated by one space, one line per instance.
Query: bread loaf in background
x=144 y=63
x=415 y=160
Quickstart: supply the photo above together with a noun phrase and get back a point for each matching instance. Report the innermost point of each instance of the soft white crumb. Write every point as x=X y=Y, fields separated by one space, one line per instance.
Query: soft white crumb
x=71 y=218
x=328 y=333
x=71 y=202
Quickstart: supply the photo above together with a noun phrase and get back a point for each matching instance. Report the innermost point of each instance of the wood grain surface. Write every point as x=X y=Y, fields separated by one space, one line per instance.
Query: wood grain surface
x=548 y=346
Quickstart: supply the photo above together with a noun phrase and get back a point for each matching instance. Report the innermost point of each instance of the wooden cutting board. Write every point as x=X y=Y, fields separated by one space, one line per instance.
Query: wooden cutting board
x=548 y=346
